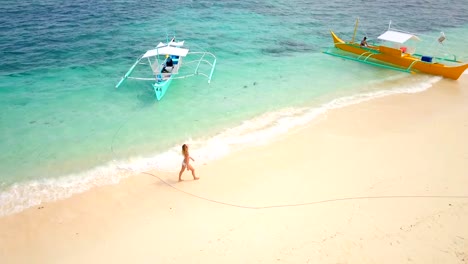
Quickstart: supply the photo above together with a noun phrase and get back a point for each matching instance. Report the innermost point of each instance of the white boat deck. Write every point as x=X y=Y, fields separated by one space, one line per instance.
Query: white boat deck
x=170 y=70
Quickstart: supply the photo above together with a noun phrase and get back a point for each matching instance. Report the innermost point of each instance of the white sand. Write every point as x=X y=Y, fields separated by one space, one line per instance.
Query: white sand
x=385 y=181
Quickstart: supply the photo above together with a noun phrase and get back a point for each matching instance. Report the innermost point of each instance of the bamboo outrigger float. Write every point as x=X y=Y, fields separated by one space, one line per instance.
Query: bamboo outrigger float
x=165 y=62
x=398 y=55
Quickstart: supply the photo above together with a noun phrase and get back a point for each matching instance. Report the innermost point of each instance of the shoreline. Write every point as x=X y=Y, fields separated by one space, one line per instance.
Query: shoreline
x=272 y=126
x=408 y=146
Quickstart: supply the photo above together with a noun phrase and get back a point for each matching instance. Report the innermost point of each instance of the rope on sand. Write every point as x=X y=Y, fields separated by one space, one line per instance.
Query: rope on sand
x=313 y=202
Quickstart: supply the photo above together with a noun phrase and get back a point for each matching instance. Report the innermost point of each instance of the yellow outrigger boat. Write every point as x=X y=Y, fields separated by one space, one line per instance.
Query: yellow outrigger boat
x=397 y=55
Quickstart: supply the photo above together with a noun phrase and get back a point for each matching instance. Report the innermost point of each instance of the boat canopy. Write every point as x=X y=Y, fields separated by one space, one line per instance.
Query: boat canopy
x=166 y=50
x=398 y=37
x=171 y=43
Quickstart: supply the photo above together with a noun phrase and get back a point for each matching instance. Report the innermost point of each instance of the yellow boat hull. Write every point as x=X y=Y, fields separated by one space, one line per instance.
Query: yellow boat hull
x=396 y=57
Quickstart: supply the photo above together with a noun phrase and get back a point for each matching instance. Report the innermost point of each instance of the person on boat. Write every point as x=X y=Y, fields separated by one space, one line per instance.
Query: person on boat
x=169 y=63
x=364 y=42
x=186 y=163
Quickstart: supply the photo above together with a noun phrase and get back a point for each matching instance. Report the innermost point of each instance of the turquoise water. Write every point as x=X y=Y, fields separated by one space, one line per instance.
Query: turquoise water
x=64 y=128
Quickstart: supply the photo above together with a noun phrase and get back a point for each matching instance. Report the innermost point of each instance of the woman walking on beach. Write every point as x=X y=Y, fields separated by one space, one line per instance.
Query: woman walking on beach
x=186 y=163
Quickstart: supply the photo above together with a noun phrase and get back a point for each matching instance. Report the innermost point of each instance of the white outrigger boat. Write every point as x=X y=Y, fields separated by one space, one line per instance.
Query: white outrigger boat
x=165 y=62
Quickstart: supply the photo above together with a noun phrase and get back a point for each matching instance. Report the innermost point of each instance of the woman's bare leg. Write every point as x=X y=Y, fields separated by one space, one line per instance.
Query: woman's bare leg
x=180 y=173
x=193 y=172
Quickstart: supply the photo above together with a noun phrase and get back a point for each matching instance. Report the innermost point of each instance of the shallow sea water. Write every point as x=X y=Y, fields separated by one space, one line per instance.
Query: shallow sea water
x=64 y=128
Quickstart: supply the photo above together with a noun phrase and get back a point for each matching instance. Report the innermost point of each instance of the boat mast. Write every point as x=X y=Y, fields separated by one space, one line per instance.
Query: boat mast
x=355 y=29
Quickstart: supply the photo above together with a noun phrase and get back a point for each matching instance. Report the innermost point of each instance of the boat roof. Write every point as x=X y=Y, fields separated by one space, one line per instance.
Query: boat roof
x=166 y=50
x=398 y=37
x=171 y=43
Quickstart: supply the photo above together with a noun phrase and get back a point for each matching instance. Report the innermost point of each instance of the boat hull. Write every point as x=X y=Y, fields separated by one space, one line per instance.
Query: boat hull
x=395 y=57
x=160 y=88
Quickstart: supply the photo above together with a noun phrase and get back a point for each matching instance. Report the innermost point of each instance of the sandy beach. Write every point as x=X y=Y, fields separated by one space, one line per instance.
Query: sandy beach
x=384 y=181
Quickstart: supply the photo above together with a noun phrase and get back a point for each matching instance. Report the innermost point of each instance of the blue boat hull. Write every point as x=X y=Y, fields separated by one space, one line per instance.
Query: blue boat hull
x=160 y=88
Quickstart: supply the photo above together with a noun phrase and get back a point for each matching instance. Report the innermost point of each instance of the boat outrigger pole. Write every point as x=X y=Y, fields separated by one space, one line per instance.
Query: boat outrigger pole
x=128 y=73
x=202 y=59
x=212 y=70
